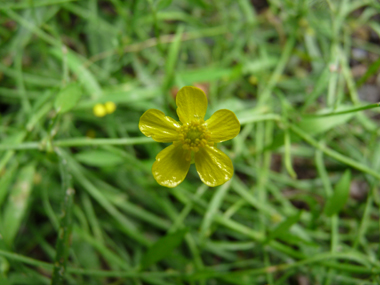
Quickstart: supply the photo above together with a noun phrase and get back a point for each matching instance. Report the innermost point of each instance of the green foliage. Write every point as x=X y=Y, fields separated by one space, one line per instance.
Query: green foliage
x=162 y=4
x=67 y=98
x=162 y=248
x=78 y=202
x=338 y=199
x=283 y=227
x=15 y=209
x=99 y=158
x=318 y=125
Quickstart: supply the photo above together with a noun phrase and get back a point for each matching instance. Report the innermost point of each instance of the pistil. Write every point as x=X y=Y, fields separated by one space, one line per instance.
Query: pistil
x=194 y=135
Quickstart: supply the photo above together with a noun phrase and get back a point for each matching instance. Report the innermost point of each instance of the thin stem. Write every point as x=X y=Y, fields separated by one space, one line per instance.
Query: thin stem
x=353 y=110
x=156 y=28
x=77 y=142
x=323 y=257
x=334 y=154
x=96 y=142
x=259 y=117
x=164 y=39
x=26 y=5
x=63 y=243
x=265 y=94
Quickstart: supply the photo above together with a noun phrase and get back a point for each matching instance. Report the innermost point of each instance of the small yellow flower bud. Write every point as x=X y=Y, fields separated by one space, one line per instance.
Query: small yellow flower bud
x=110 y=107
x=252 y=79
x=99 y=110
x=91 y=134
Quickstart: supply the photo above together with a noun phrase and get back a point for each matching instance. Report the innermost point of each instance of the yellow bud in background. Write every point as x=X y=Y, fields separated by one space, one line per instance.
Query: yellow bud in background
x=99 y=110
x=110 y=107
x=91 y=134
x=253 y=80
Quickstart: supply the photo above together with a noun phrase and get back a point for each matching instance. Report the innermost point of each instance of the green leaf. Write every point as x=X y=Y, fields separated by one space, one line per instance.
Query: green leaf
x=318 y=125
x=208 y=74
x=162 y=4
x=284 y=226
x=162 y=248
x=172 y=57
x=372 y=69
x=99 y=158
x=5 y=181
x=77 y=65
x=68 y=97
x=342 y=190
x=119 y=96
x=296 y=240
x=17 y=203
x=320 y=86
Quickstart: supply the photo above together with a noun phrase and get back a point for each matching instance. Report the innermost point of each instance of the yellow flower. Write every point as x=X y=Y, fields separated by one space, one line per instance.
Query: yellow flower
x=99 y=110
x=193 y=140
x=110 y=107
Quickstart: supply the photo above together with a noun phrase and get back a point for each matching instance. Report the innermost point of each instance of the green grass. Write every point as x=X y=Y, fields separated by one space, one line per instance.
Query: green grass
x=78 y=202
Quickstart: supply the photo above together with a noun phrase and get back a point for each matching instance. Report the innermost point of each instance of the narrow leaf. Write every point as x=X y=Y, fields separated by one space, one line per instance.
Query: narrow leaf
x=162 y=248
x=372 y=69
x=342 y=190
x=162 y=4
x=68 y=97
x=284 y=226
x=17 y=203
x=173 y=56
x=99 y=158
x=5 y=181
x=318 y=125
x=78 y=66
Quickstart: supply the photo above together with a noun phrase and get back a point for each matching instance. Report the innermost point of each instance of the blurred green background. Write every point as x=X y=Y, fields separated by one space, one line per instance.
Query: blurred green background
x=78 y=202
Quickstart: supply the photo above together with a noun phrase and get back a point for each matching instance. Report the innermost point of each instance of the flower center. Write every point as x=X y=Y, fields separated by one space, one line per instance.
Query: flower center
x=194 y=135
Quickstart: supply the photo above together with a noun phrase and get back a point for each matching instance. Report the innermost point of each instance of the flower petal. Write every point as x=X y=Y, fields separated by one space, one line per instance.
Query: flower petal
x=171 y=166
x=214 y=166
x=223 y=126
x=191 y=103
x=153 y=123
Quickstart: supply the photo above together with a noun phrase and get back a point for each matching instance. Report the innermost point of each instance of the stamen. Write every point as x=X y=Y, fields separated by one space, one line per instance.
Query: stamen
x=194 y=135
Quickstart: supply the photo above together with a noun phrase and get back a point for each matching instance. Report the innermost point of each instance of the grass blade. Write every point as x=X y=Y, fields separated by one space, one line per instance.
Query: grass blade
x=162 y=248
x=339 y=198
x=16 y=206
x=63 y=242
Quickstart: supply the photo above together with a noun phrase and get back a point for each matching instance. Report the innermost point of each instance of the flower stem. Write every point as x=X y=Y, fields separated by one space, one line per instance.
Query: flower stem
x=63 y=243
x=353 y=110
x=336 y=155
x=77 y=142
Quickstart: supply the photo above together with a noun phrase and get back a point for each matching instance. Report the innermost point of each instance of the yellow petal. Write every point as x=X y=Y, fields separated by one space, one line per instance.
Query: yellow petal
x=171 y=166
x=191 y=103
x=153 y=123
x=214 y=166
x=223 y=126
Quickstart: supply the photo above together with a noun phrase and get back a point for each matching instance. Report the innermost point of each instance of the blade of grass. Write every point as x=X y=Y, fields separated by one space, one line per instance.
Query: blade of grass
x=63 y=239
x=77 y=142
x=126 y=225
x=212 y=208
x=372 y=69
x=15 y=210
x=34 y=4
x=332 y=153
x=266 y=92
x=77 y=66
